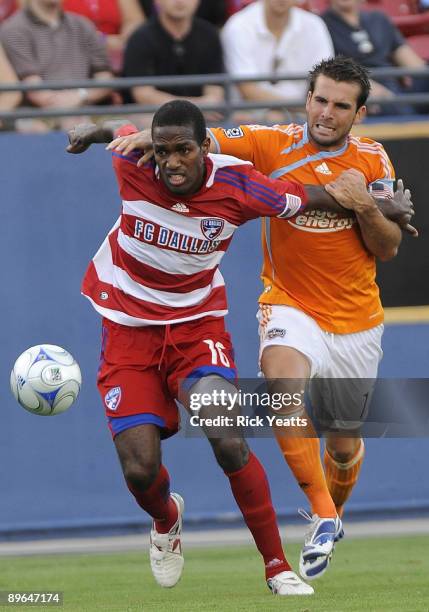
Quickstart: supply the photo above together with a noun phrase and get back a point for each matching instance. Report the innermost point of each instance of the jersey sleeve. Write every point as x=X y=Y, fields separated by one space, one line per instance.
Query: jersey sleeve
x=237 y=141
x=255 y=143
x=265 y=197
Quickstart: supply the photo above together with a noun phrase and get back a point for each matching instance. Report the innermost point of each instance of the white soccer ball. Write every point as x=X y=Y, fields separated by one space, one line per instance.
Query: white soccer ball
x=45 y=379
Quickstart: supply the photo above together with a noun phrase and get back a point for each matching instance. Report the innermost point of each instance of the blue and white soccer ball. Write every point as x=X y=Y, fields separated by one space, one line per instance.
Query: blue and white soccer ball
x=45 y=379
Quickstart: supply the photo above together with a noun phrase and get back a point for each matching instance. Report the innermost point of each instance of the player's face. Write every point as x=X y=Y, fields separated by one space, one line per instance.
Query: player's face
x=178 y=9
x=332 y=111
x=180 y=158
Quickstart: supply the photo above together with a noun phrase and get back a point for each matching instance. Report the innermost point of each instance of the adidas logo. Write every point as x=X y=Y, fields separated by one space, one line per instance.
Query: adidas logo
x=181 y=208
x=323 y=168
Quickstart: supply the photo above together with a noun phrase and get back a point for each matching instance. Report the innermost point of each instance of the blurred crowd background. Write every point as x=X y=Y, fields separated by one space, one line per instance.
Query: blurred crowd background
x=74 y=40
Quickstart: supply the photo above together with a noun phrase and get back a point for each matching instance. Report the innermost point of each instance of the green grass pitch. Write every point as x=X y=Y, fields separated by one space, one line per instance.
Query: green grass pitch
x=371 y=575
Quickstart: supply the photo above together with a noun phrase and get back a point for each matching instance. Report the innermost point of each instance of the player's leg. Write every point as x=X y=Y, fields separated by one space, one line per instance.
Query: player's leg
x=202 y=363
x=301 y=449
x=343 y=461
x=249 y=486
x=353 y=370
x=292 y=351
x=140 y=412
x=289 y=371
x=139 y=452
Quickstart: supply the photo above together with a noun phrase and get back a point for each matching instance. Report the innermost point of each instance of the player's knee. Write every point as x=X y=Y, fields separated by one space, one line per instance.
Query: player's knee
x=140 y=475
x=345 y=451
x=231 y=453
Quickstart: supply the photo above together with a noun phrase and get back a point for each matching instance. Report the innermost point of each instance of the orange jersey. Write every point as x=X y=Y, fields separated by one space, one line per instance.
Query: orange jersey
x=317 y=261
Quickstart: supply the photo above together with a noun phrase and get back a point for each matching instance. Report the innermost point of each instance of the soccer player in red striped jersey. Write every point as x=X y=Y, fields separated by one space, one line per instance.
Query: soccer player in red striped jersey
x=155 y=280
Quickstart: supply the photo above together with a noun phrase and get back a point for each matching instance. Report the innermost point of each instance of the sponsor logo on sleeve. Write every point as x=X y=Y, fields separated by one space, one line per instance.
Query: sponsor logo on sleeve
x=235 y=132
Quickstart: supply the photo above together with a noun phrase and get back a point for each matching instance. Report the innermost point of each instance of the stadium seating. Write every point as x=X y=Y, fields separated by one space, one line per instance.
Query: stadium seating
x=405 y=14
x=393 y=8
x=420 y=44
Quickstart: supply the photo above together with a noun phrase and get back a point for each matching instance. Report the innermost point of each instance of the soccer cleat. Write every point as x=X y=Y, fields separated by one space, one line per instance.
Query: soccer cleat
x=319 y=545
x=288 y=583
x=339 y=535
x=166 y=559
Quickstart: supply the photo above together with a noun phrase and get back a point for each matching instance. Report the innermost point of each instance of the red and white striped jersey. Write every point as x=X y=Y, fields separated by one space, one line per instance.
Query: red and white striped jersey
x=159 y=263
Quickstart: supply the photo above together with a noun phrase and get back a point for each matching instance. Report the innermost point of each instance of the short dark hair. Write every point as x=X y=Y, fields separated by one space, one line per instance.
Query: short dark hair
x=183 y=113
x=343 y=69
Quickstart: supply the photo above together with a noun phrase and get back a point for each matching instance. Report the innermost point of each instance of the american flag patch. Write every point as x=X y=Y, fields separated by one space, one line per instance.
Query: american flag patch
x=382 y=188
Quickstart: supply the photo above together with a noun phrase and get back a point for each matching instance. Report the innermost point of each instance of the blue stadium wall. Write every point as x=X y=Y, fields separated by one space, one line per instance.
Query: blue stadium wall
x=62 y=472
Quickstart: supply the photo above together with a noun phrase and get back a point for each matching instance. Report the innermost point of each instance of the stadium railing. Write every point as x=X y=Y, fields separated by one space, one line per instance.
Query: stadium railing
x=230 y=104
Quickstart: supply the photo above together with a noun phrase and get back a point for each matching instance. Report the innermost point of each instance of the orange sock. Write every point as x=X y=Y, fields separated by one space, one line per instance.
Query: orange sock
x=342 y=477
x=302 y=454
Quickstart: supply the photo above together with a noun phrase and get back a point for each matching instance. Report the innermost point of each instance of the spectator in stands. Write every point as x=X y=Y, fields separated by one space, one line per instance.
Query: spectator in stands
x=44 y=43
x=175 y=42
x=371 y=38
x=274 y=36
x=115 y=19
x=212 y=10
x=8 y=99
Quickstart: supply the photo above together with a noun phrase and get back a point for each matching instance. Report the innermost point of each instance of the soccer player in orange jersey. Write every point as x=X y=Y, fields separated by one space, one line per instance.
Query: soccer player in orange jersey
x=320 y=312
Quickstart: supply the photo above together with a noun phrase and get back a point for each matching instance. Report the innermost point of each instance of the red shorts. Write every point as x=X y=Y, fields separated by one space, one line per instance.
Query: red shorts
x=142 y=368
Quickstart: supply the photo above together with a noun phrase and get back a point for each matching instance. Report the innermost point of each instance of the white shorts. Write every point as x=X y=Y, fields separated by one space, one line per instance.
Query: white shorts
x=354 y=357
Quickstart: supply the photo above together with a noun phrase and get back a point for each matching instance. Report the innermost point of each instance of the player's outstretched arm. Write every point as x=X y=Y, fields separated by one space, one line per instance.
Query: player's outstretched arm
x=320 y=199
x=85 y=134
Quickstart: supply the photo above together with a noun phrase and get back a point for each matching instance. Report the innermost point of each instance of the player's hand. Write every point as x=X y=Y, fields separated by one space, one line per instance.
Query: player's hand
x=400 y=209
x=350 y=190
x=81 y=137
x=141 y=141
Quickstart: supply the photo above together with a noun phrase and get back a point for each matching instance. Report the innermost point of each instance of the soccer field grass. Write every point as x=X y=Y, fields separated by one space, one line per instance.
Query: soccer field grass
x=371 y=575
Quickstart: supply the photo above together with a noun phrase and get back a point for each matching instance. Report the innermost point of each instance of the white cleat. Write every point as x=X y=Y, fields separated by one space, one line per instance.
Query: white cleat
x=166 y=558
x=319 y=545
x=288 y=583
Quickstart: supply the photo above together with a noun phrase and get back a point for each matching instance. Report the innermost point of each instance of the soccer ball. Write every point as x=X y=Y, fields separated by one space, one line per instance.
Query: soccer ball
x=45 y=379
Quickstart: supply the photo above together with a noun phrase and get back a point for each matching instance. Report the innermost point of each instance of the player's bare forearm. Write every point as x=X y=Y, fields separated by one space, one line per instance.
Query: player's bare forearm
x=381 y=236
x=350 y=190
x=84 y=135
x=320 y=199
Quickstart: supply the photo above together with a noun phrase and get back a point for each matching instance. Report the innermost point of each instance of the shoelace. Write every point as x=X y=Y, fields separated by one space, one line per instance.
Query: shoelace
x=292 y=580
x=305 y=514
x=312 y=525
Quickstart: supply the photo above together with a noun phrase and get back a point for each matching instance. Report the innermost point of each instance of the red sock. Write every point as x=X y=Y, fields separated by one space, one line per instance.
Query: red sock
x=156 y=501
x=252 y=493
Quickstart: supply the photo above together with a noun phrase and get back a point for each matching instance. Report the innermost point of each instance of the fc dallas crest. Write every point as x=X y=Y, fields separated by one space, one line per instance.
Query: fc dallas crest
x=212 y=228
